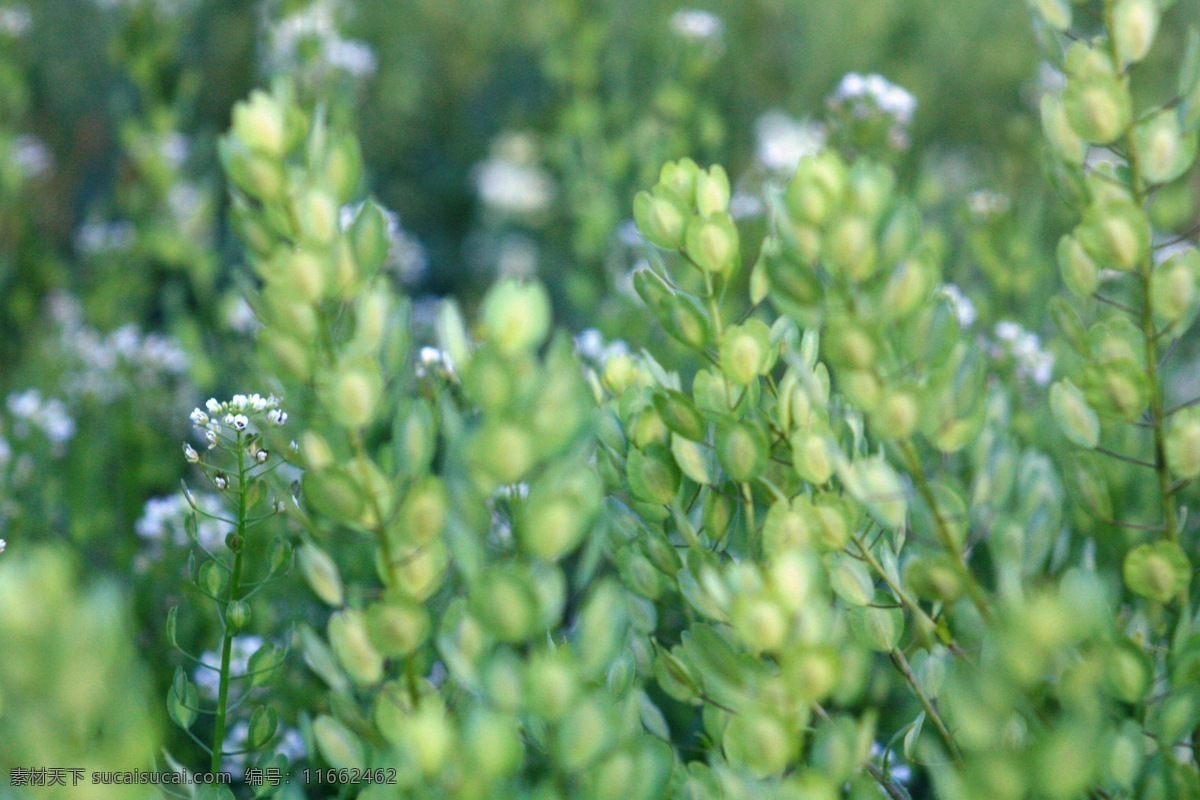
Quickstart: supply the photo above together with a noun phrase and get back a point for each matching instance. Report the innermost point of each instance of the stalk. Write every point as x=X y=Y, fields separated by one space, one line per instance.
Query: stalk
x=227 y=638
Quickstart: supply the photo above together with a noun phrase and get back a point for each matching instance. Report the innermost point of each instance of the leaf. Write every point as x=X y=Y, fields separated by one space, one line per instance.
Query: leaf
x=913 y=734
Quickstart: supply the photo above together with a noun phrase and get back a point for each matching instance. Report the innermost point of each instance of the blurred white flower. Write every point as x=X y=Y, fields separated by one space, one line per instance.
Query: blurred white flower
x=3 y=545
x=960 y=304
x=290 y=38
x=30 y=409
x=783 y=140
x=591 y=345
x=351 y=56
x=985 y=204
x=865 y=96
x=97 y=237
x=32 y=156
x=208 y=676
x=1024 y=347
x=15 y=20
x=695 y=25
x=164 y=521
x=513 y=188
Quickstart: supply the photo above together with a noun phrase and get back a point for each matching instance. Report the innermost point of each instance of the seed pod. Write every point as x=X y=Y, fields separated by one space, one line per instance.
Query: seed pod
x=316 y=215
x=653 y=475
x=910 y=285
x=586 y=733
x=352 y=392
x=681 y=415
x=790 y=527
x=237 y=615
x=321 y=573
x=742 y=449
x=1173 y=286
x=285 y=354
x=369 y=238
x=760 y=623
x=693 y=459
x=397 y=626
x=493 y=743
x=343 y=167
x=502 y=451
x=1158 y=571
x=1079 y=271
x=834 y=518
x=896 y=415
x=1074 y=416
x=551 y=684
x=1134 y=25
x=877 y=628
x=712 y=191
x=1056 y=13
x=1165 y=151
x=1057 y=128
x=339 y=747
x=759 y=742
x=263 y=724
x=850 y=579
x=662 y=217
x=937 y=578
x=260 y=122
x=371 y=317
x=1183 y=446
x=347 y=633
x=1099 y=107
x=1128 y=672
x=516 y=316
x=745 y=351
x=505 y=604
x=304 y=277
x=712 y=242
x=813 y=457
x=849 y=248
x=1116 y=234
x=874 y=483
x=558 y=512
x=680 y=176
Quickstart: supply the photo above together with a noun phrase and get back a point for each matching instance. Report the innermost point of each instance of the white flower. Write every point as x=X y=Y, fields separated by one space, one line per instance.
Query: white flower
x=163 y=520
x=15 y=20
x=277 y=416
x=190 y=454
x=220 y=481
x=784 y=140
x=866 y=96
x=30 y=153
x=96 y=237
x=351 y=56
x=960 y=304
x=239 y=402
x=3 y=545
x=510 y=181
x=211 y=437
x=433 y=359
x=694 y=25
x=239 y=422
x=261 y=456
x=213 y=406
x=198 y=418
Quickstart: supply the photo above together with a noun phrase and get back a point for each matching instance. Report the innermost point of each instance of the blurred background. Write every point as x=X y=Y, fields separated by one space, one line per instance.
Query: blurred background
x=507 y=138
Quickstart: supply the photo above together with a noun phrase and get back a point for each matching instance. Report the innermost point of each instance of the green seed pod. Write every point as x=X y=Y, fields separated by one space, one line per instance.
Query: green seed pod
x=680 y=176
x=816 y=188
x=680 y=414
x=712 y=243
x=552 y=684
x=874 y=483
x=417 y=574
x=321 y=574
x=878 y=629
x=813 y=671
x=849 y=248
x=1134 y=25
x=1074 y=416
x=516 y=316
x=211 y=578
x=1056 y=126
x=238 y=615
x=850 y=579
x=369 y=238
x=901 y=233
x=493 y=743
x=759 y=742
x=285 y=354
x=653 y=475
x=813 y=457
x=1165 y=151
x=693 y=459
x=846 y=344
x=254 y=174
x=260 y=122
x=897 y=415
x=1099 y=107
x=305 y=277
x=263 y=724
x=742 y=449
x=505 y=604
x=347 y=634
x=352 y=392
x=1159 y=571
x=1116 y=234
x=586 y=733
x=745 y=351
x=871 y=185
x=937 y=578
x=1173 y=286
x=339 y=747
x=1183 y=445
x=760 y=622
x=712 y=191
x=718 y=513
x=910 y=285
x=1056 y=13
x=649 y=429
x=559 y=512
x=452 y=336
x=342 y=169
x=397 y=626
x=370 y=319
x=296 y=318
x=662 y=217
x=1128 y=672
x=835 y=518
x=795 y=287
x=790 y=527
x=346 y=275
x=422 y=514
x=316 y=215
x=1079 y=271
x=502 y=452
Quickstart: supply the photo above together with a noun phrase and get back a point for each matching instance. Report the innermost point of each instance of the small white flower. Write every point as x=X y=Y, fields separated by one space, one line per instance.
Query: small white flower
x=258 y=403
x=1008 y=331
x=3 y=545
x=784 y=140
x=213 y=406
x=261 y=456
x=199 y=418
x=694 y=25
x=239 y=402
x=277 y=416
x=190 y=454
x=211 y=436
x=960 y=304
x=239 y=422
x=220 y=481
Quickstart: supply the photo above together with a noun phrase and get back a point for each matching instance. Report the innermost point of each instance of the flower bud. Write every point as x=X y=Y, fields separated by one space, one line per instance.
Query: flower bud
x=1079 y=272
x=1134 y=24
x=661 y=217
x=1074 y=416
x=339 y=747
x=1158 y=571
x=742 y=449
x=347 y=632
x=517 y=316
x=712 y=242
x=712 y=191
x=260 y=122
x=321 y=574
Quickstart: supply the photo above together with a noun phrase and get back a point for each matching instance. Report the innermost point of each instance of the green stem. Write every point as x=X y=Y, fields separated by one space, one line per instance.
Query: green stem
x=931 y=713
x=974 y=590
x=927 y=623
x=227 y=637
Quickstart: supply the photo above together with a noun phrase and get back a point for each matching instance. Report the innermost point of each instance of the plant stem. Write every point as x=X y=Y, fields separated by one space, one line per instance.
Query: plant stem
x=227 y=639
x=927 y=623
x=931 y=713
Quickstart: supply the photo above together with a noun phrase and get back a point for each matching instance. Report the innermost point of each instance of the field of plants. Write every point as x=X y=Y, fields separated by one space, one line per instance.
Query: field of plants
x=599 y=400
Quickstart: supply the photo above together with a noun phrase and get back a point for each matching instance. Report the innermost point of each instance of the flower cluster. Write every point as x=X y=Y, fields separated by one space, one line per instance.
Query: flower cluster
x=314 y=28
x=29 y=410
x=235 y=416
x=873 y=98
x=700 y=27
x=1025 y=348
x=783 y=140
x=510 y=181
